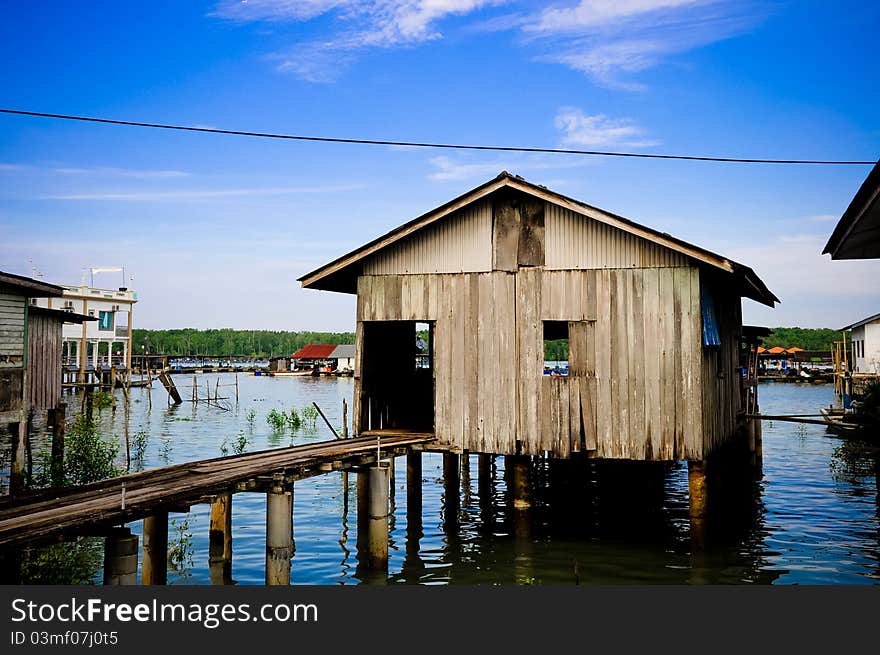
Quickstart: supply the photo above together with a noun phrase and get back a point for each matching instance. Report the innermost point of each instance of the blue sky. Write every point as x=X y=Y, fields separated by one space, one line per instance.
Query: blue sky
x=216 y=229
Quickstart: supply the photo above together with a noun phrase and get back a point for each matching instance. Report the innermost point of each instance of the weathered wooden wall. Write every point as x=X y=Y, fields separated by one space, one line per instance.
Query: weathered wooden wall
x=12 y=317
x=721 y=377
x=639 y=385
x=12 y=325
x=633 y=391
x=43 y=361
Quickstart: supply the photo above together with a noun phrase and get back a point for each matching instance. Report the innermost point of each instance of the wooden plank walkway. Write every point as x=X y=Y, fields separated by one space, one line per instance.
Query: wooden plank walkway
x=86 y=509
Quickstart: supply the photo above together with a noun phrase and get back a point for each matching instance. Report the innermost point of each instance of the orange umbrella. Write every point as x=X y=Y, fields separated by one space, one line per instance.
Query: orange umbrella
x=794 y=349
x=776 y=350
x=761 y=350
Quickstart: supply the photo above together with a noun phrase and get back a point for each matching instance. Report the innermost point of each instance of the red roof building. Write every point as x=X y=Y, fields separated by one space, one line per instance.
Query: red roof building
x=314 y=351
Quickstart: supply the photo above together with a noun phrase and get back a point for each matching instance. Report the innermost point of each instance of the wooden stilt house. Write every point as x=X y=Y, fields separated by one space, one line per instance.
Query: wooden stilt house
x=652 y=326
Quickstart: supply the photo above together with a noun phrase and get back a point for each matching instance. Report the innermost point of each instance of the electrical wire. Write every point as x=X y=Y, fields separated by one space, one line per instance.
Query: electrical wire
x=419 y=144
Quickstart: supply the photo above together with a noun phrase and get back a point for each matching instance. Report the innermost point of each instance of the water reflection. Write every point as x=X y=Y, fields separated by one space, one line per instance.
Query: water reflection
x=813 y=517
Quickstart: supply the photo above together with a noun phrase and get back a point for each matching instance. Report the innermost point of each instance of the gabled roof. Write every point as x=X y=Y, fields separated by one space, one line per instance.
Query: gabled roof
x=857 y=233
x=864 y=321
x=314 y=351
x=27 y=286
x=344 y=351
x=340 y=274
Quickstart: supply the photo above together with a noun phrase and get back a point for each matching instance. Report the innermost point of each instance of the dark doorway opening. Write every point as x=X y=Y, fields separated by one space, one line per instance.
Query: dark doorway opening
x=397 y=381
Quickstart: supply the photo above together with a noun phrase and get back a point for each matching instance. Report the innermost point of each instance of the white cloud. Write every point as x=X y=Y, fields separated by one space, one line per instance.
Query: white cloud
x=449 y=169
x=200 y=194
x=598 y=130
x=365 y=24
x=822 y=218
x=120 y=172
x=593 y=13
x=832 y=293
x=608 y=40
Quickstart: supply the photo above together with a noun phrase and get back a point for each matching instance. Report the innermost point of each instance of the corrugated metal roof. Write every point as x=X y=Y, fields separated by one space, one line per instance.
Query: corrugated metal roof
x=314 y=351
x=345 y=351
x=341 y=274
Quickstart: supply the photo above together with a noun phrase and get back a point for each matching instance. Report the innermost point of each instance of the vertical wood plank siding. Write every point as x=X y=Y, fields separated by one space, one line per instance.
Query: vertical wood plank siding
x=460 y=243
x=44 y=361
x=11 y=330
x=576 y=242
x=721 y=378
x=636 y=361
x=641 y=385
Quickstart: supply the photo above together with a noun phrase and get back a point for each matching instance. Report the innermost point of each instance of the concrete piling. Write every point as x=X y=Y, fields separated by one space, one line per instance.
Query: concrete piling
x=377 y=558
x=120 y=557
x=279 y=534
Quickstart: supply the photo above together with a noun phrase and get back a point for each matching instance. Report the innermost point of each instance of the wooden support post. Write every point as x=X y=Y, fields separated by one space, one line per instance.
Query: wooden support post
x=698 y=489
x=484 y=481
x=236 y=386
x=451 y=488
x=89 y=404
x=279 y=534
x=120 y=557
x=217 y=390
x=414 y=488
x=344 y=419
x=154 y=568
x=17 y=471
x=29 y=453
x=59 y=415
x=195 y=397
x=220 y=540
x=520 y=469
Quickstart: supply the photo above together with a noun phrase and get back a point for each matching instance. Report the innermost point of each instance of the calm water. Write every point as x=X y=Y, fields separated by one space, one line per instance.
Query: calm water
x=811 y=519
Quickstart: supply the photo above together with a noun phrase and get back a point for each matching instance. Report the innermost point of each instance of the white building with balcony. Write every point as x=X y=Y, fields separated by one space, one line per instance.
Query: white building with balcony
x=95 y=345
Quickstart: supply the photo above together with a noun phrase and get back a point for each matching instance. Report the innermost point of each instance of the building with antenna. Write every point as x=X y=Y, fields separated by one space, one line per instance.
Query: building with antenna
x=102 y=345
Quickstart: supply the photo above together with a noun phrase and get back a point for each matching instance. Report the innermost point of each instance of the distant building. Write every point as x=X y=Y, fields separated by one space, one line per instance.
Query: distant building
x=313 y=355
x=865 y=339
x=279 y=364
x=857 y=234
x=343 y=357
x=100 y=344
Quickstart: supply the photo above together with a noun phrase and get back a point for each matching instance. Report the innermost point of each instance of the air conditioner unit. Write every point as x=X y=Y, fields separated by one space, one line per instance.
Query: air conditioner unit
x=114 y=308
x=68 y=304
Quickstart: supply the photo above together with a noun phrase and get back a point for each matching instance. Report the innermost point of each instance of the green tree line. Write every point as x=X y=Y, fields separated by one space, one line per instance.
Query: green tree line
x=267 y=343
x=228 y=342
x=806 y=338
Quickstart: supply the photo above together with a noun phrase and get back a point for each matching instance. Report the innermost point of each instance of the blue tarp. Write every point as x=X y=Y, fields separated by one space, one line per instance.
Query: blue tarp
x=710 y=324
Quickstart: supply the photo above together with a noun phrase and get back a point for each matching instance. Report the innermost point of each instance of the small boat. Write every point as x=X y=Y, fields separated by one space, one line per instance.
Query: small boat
x=840 y=419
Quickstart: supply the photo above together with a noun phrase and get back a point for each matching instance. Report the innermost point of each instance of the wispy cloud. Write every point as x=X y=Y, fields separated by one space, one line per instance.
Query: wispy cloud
x=362 y=24
x=822 y=218
x=598 y=130
x=201 y=194
x=120 y=172
x=96 y=171
x=448 y=169
x=609 y=40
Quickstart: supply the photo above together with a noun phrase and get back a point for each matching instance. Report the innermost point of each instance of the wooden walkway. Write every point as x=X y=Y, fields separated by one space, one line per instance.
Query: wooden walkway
x=87 y=509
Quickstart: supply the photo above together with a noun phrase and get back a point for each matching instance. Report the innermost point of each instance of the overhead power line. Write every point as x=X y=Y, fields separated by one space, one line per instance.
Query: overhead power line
x=419 y=144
